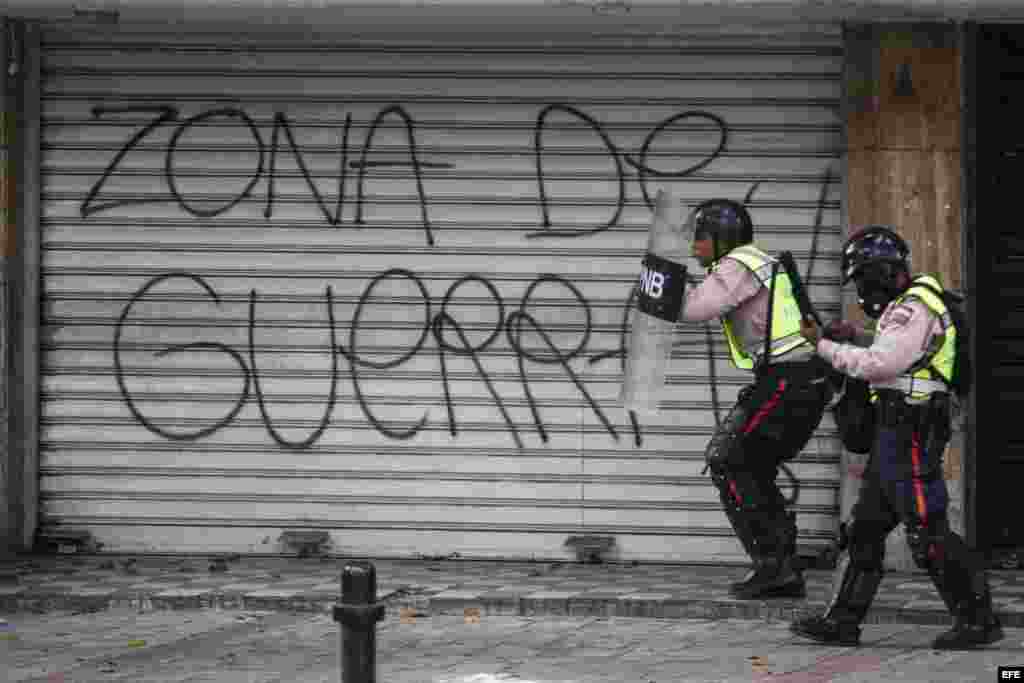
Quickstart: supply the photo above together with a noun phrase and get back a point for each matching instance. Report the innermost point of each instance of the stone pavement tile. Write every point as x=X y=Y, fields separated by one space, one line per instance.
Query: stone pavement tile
x=936 y=604
x=306 y=580
x=491 y=607
x=181 y=593
x=647 y=597
x=456 y=595
x=915 y=585
x=272 y=592
x=544 y=606
x=95 y=591
x=148 y=586
x=665 y=586
x=244 y=587
x=598 y=594
x=59 y=586
x=521 y=588
x=551 y=595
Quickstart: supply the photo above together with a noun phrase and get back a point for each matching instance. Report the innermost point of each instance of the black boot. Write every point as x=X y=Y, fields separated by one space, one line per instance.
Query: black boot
x=974 y=623
x=772 y=577
x=774 y=574
x=942 y=583
x=840 y=625
x=746 y=538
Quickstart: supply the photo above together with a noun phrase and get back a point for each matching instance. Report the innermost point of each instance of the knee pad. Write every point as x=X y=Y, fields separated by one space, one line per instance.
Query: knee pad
x=725 y=445
x=728 y=492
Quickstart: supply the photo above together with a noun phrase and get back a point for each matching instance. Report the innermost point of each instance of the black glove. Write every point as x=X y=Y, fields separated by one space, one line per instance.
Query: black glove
x=840 y=331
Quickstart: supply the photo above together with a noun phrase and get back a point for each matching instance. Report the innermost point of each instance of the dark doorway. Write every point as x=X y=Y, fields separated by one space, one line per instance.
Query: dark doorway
x=997 y=228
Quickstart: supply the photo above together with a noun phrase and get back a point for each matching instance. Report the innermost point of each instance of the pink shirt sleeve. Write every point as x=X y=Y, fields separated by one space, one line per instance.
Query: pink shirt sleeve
x=721 y=292
x=905 y=333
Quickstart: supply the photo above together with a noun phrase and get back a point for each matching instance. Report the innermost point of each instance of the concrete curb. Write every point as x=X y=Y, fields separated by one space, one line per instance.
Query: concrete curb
x=411 y=606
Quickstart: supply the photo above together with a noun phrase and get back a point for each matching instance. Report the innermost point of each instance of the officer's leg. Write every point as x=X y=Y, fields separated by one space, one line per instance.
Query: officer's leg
x=774 y=531
x=729 y=459
x=962 y=572
x=786 y=416
x=958 y=572
x=718 y=458
x=860 y=568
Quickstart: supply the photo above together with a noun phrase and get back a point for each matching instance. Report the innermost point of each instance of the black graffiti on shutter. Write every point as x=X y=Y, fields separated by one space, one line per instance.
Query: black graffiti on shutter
x=538 y=151
x=281 y=122
x=440 y=326
x=165 y=113
x=514 y=333
x=465 y=348
x=621 y=352
x=168 y=113
x=355 y=361
x=641 y=164
x=172 y=184
x=261 y=400
x=177 y=348
x=410 y=129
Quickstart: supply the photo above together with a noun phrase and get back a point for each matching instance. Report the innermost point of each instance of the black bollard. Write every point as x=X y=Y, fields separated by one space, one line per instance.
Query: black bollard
x=358 y=615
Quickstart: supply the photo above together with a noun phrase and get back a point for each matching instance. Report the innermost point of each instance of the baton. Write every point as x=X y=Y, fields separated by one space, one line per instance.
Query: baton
x=803 y=301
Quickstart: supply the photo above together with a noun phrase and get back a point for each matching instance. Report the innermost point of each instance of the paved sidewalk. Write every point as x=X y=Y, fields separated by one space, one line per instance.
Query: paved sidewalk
x=237 y=646
x=449 y=587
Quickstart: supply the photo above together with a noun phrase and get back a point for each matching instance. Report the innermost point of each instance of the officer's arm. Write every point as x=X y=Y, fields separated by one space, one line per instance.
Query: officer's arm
x=720 y=293
x=903 y=337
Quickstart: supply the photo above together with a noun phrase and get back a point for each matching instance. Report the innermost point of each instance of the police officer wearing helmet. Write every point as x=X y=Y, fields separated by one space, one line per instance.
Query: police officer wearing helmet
x=908 y=367
x=775 y=416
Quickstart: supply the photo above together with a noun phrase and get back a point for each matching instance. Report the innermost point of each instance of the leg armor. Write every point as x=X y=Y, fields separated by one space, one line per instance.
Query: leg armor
x=719 y=452
x=754 y=507
x=858 y=575
x=930 y=551
x=962 y=580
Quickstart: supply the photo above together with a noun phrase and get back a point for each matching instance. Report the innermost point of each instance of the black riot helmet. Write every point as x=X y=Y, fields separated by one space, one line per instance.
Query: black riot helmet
x=878 y=261
x=725 y=222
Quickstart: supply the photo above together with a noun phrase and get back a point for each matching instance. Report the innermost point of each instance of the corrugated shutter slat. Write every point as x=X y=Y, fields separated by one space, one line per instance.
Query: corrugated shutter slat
x=212 y=196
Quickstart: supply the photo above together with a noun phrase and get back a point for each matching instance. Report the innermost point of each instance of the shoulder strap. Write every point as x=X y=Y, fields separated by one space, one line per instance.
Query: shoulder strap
x=766 y=359
x=946 y=319
x=759 y=263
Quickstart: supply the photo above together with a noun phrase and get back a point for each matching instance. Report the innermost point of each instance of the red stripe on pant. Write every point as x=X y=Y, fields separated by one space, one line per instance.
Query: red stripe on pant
x=919 y=499
x=756 y=419
x=766 y=408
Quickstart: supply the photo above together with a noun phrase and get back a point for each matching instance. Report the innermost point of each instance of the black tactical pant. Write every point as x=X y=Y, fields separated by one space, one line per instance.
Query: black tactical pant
x=772 y=421
x=903 y=482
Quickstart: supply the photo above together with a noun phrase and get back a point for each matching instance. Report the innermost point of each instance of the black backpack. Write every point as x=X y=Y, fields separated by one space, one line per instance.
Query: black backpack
x=962 y=372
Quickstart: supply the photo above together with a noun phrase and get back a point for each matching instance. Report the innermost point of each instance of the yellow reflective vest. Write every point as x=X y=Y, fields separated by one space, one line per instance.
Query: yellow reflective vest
x=785 y=322
x=934 y=371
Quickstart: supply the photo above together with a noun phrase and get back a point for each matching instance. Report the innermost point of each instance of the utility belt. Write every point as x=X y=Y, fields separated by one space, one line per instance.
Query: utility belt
x=916 y=390
x=931 y=419
x=812 y=370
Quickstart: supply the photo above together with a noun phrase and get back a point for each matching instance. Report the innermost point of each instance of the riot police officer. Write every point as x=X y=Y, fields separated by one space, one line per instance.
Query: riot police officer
x=775 y=416
x=909 y=368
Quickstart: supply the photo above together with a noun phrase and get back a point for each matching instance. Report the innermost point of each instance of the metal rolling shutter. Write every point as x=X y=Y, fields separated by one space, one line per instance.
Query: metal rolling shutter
x=159 y=167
